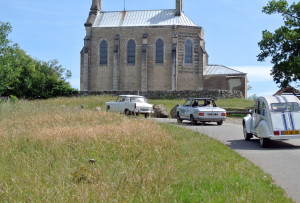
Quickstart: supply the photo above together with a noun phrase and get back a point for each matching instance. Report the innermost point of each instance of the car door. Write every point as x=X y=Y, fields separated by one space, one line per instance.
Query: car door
x=122 y=104
x=114 y=105
x=259 y=115
x=187 y=109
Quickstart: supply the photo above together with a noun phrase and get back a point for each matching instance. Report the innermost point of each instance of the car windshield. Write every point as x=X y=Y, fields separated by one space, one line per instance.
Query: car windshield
x=138 y=99
x=282 y=107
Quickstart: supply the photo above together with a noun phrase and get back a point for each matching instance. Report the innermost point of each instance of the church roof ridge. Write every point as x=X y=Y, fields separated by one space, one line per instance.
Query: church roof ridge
x=136 y=18
x=138 y=10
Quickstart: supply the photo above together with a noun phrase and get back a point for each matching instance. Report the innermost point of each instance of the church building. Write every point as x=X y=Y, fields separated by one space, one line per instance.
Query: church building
x=149 y=50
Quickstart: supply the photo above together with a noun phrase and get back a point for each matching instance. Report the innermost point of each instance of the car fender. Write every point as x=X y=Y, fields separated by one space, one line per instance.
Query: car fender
x=247 y=121
x=263 y=130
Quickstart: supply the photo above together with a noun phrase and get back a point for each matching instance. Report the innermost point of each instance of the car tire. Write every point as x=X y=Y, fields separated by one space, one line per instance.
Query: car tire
x=247 y=136
x=179 y=120
x=146 y=115
x=220 y=122
x=107 y=108
x=264 y=142
x=193 y=121
x=127 y=112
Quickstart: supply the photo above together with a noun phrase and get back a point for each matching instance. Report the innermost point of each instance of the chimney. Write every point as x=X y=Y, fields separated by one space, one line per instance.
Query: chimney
x=96 y=6
x=178 y=8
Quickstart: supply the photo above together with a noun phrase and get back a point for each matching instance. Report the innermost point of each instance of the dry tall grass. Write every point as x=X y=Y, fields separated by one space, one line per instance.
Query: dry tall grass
x=57 y=151
x=48 y=146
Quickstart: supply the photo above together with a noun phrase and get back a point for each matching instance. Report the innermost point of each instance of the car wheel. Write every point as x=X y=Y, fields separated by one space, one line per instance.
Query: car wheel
x=127 y=112
x=193 y=121
x=179 y=120
x=107 y=108
x=146 y=115
x=220 y=122
x=264 y=142
x=247 y=136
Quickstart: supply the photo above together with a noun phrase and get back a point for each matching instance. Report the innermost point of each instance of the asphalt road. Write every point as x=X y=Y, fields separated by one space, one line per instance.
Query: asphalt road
x=281 y=159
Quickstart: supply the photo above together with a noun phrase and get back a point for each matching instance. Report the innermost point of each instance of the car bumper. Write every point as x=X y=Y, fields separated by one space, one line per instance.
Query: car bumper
x=284 y=137
x=143 y=112
x=207 y=119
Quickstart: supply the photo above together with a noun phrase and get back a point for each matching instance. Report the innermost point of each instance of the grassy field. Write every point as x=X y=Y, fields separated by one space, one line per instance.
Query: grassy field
x=57 y=151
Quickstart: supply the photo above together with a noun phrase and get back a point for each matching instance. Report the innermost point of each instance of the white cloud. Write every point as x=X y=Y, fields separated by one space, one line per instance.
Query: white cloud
x=256 y=73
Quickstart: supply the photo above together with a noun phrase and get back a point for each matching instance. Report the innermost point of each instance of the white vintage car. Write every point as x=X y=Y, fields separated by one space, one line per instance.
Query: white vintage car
x=274 y=118
x=130 y=105
x=202 y=110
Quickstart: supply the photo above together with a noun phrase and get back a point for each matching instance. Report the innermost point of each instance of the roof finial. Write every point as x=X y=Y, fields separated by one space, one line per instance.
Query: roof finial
x=124 y=5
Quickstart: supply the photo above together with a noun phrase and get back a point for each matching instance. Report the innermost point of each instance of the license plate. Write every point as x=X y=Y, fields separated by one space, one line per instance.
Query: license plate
x=290 y=132
x=144 y=109
x=212 y=114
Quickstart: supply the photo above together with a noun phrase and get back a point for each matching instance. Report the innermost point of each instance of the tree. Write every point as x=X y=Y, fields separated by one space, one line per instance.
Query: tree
x=283 y=46
x=7 y=52
x=25 y=77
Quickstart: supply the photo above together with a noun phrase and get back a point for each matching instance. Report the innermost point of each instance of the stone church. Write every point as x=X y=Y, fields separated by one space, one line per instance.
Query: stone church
x=149 y=50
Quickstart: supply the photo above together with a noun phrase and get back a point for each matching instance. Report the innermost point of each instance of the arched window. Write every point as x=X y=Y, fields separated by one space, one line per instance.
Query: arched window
x=159 y=54
x=188 y=51
x=131 y=52
x=103 y=53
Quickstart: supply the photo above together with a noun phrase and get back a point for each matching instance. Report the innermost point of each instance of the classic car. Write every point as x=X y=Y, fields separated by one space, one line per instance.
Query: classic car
x=202 y=110
x=130 y=105
x=274 y=118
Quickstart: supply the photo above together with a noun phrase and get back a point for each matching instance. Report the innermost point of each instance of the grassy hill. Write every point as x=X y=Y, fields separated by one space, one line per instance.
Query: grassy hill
x=63 y=150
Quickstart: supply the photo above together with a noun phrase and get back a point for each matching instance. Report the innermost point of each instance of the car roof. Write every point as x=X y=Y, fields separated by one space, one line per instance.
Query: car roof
x=197 y=98
x=280 y=99
x=130 y=96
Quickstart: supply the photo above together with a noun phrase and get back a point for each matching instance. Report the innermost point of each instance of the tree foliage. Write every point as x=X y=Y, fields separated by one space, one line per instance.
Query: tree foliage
x=25 y=77
x=283 y=46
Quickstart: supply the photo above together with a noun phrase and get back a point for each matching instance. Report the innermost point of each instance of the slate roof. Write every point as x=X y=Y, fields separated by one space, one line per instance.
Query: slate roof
x=288 y=91
x=221 y=70
x=141 y=18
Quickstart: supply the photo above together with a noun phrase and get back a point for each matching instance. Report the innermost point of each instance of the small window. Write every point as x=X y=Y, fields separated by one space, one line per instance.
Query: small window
x=159 y=54
x=103 y=53
x=283 y=107
x=131 y=52
x=189 y=51
x=264 y=109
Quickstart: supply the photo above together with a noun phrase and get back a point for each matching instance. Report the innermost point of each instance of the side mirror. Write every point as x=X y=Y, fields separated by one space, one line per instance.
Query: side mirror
x=250 y=110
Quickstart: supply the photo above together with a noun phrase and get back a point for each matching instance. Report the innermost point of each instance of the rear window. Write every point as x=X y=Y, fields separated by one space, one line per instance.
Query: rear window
x=282 y=107
x=138 y=99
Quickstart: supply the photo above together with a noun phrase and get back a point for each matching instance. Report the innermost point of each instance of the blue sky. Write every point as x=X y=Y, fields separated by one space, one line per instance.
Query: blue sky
x=54 y=29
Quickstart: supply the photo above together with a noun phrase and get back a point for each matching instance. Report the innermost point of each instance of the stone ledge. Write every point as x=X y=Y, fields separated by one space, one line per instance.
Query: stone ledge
x=215 y=94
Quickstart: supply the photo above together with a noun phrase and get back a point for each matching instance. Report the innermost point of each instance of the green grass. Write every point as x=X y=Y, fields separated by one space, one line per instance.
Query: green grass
x=45 y=148
x=228 y=104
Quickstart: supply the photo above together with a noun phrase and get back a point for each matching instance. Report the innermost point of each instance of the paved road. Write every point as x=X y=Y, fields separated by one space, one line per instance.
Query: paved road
x=281 y=160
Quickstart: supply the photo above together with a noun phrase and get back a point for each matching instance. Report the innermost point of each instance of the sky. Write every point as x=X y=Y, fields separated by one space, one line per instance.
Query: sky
x=54 y=29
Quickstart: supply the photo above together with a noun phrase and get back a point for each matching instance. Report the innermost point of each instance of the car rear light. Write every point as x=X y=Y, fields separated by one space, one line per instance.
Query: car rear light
x=135 y=106
x=276 y=133
x=201 y=114
x=224 y=114
x=153 y=107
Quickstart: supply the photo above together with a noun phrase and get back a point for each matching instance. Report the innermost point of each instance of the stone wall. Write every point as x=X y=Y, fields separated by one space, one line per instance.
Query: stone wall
x=215 y=94
x=226 y=82
x=156 y=76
